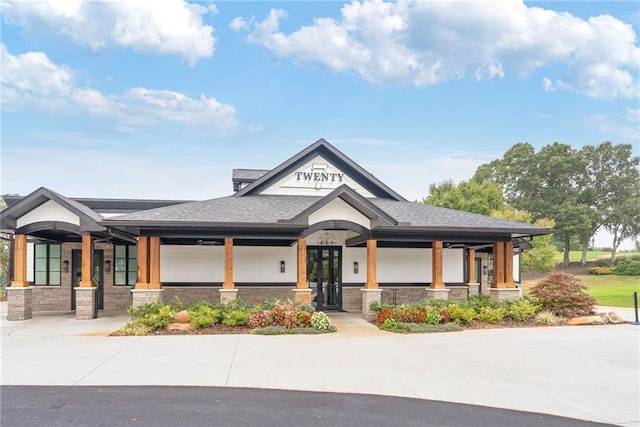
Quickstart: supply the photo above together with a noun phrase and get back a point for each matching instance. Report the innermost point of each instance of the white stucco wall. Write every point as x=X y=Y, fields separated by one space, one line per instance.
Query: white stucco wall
x=453 y=265
x=338 y=209
x=198 y=264
x=262 y=264
x=404 y=265
x=516 y=268
x=413 y=265
x=48 y=211
x=349 y=256
x=290 y=185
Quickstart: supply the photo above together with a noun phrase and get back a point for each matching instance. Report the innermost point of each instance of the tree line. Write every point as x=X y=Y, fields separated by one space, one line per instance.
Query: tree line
x=580 y=191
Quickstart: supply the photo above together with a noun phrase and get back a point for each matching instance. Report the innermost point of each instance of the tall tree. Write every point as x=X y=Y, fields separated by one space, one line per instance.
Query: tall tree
x=611 y=185
x=469 y=196
x=544 y=183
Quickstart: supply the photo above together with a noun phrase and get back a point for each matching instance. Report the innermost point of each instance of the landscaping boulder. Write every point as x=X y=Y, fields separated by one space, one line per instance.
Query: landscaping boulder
x=179 y=327
x=182 y=317
x=586 y=320
x=615 y=318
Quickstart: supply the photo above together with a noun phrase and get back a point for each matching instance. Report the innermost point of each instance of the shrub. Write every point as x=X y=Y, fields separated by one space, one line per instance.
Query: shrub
x=433 y=316
x=548 y=318
x=378 y=305
x=601 y=271
x=520 y=310
x=260 y=319
x=155 y=315
x=204 y=316
x=563 y=294
x=384 y=314
x=238 y=317
x=320 y=321
x=476 y=302
x=492 y=315
x=603 y=262
x=134 y=328
x=627 y=267
x=460 y=314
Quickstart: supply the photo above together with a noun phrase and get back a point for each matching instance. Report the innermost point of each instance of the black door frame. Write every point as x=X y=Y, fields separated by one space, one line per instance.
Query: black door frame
x=334 y=295
x=76 y=266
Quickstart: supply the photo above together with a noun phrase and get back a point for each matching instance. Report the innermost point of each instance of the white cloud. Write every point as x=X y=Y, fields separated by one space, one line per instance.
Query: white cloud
x=166 y=27
x=238 y=23
x=613 y=126
x=423 y=43
x=547 y=84
x=32 y=81
x=633 y=114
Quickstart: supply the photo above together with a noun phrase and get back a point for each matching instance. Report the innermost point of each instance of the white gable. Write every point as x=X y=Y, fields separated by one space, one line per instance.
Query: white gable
x=338 y=209
x=48 y=211
x=317 y=177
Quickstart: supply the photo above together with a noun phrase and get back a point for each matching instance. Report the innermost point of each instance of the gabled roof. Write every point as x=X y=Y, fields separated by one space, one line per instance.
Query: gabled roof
x=88 y=217
x=328 y=151
x=357 y=201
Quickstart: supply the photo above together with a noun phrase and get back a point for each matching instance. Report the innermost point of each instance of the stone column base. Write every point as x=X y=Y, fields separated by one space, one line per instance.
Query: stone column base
x=503 y=294
x=20 y=302
x=474 y=289
x=228 y=295
x=145 y=296
x=302 y=296
x=368 y=296
x=438 y=293
x=86 y=303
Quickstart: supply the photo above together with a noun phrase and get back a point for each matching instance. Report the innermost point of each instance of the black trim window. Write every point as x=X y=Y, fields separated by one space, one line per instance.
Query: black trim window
x=47 y=264
x=125 y=272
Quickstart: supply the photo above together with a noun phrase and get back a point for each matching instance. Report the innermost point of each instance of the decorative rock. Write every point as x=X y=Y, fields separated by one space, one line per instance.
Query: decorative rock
x=586 y=320
x=615 y=318
x=182 y=317
x=178 y=327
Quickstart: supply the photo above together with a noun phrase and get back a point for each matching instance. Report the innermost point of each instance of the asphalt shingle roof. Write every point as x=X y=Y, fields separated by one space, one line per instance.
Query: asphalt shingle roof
x=269 y=209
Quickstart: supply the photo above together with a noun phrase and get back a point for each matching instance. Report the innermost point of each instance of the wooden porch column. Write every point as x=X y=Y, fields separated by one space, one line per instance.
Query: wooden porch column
x=20 y=262
x=498 y=265
x=228 y=263
x=372 y=257
x=143 y=263
x=86 y=281
x=508 y=265
x=154 y=263
x=436 y=265
x=302 y=265
x=471 y=259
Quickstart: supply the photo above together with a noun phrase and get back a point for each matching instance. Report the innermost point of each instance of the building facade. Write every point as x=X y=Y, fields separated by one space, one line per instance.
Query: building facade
x=317 y=228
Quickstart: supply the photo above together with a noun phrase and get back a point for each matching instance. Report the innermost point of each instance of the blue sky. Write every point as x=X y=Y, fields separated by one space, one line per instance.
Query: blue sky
x=163 y=99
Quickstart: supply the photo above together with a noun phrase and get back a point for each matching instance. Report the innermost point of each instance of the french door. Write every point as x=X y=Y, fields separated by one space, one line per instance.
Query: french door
x=324 y=267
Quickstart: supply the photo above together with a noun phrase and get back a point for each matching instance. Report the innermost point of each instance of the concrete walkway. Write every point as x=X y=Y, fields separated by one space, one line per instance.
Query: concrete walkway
x=588 y=372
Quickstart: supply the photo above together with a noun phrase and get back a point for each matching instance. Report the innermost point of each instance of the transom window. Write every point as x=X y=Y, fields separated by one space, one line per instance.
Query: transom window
x=47 y=264
x=126 y=265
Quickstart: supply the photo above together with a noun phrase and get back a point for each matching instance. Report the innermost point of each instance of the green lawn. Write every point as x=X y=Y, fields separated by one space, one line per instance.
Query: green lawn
x=615 y=291
x=576 y=256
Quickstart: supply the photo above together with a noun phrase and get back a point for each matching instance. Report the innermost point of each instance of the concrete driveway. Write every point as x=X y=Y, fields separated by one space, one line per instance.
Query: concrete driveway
x=588 y=372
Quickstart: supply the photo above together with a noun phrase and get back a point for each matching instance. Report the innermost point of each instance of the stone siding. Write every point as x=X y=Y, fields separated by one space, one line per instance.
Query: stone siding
x=352 y=299
x=20 y=303
x=190 y=294
x=257 y=295
x=117 y=297
x=458 y=293
x=404 y=295
x=85 y=303
x=52 y=298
